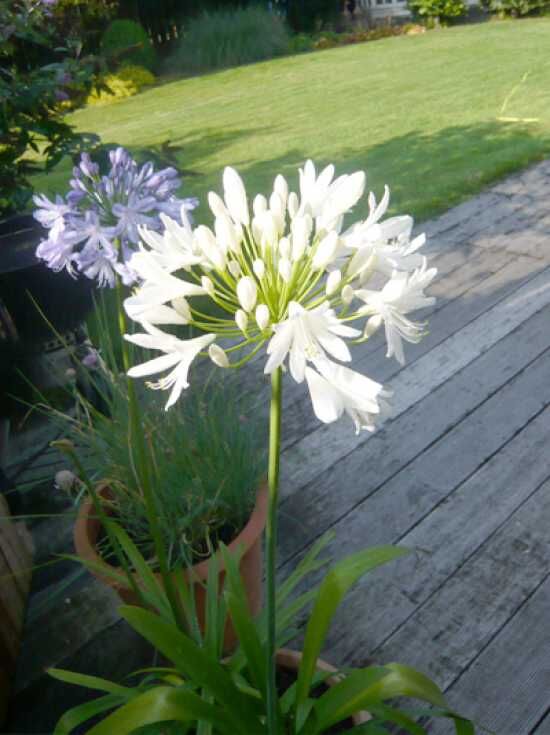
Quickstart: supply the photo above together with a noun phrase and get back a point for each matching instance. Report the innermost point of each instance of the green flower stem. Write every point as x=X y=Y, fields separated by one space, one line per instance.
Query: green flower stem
x=271 y=544
x=136 y=441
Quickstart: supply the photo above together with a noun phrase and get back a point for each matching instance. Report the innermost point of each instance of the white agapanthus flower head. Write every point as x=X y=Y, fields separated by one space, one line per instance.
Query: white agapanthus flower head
x=284 y=274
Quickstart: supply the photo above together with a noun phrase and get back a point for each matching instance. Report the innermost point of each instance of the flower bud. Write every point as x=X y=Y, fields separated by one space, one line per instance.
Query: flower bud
x=262 y=316
x=258 y=266
x=182 y=307
x=208 y=286
x=325 y=252
x=247 y=293
x=301 y=231
x=216 y=204
x=284 y=247
x=285 y=269
x=225 y=235
x=207 y=243
x=372 y=325
x=270 y=232
x=241 y=319
x=293 y=204
x=218 y=356
x=235 y=196
x=259 y=205
x=333 y=281
x=234 y=268
x=277 y=209
x=65 y=480
x=281 y=188
x=347 y=294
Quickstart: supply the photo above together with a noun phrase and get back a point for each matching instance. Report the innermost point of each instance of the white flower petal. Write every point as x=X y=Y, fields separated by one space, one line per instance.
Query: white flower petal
x=327 y=403
x=235 y=196
x=247 y=293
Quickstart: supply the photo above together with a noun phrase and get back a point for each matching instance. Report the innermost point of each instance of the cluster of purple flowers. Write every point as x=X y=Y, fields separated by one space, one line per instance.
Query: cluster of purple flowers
x=94 y=229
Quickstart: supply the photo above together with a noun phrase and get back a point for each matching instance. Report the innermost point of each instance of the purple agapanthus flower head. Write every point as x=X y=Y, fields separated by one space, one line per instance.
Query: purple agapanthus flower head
x=93 y=230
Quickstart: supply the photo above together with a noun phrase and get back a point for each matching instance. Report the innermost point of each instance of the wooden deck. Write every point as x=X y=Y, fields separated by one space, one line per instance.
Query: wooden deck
x=461 y=474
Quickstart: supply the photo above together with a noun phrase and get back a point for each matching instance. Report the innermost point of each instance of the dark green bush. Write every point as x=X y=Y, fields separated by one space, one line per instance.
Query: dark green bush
x=516 y=8
x=305 y=16
x=229 y=38
x=438 y=10
x=126 y=41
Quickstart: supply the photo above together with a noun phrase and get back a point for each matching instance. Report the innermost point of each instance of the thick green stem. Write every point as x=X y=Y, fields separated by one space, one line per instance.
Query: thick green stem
x=137 y=443
x=271 y=544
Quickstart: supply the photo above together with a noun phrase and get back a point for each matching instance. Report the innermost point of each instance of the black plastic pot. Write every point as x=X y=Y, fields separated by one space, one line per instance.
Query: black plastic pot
x=64 y=300
x=24 y=334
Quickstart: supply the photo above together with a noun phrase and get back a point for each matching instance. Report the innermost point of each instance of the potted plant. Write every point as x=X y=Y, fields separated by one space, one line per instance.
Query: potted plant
x=288 y=277
x=206 y=463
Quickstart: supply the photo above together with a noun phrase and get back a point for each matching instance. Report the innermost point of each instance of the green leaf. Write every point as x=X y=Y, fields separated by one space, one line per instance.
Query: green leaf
x=195 y=664
x=463 y=726
x=244 y=625
x=310 y=563
x=333 y=589
x=397 y=717
x=105 y=570
x=161 y=704
x=153 y=592
x=90 y=682
x=77 y=715
x=345 y=698
x=404 y=681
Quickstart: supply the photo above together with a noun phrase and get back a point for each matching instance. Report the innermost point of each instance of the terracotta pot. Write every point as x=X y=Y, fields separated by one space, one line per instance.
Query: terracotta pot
x=249 y=540
x=289 y=659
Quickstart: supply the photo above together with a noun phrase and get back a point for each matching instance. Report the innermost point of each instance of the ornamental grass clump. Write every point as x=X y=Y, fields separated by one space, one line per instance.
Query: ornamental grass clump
x=206 y=460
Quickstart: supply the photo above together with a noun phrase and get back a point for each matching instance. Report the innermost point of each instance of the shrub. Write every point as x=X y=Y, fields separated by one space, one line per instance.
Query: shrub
x=83 y=19
x=39 y=69
x=438 y=10
x=516 y=8
x=126 y=41
x=311 y=15
x=229 y=38
x=126 y=82
x=300 y=43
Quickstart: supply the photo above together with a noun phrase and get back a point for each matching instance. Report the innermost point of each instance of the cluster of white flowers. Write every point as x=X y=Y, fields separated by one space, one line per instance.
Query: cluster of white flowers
x=287 y=274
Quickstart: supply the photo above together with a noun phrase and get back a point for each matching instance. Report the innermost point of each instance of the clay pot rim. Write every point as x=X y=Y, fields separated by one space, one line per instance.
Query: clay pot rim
x=87 y=527
x=288 y=658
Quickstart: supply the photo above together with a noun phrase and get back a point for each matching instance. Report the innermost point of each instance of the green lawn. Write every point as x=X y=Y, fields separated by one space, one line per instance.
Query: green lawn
x=420 y=113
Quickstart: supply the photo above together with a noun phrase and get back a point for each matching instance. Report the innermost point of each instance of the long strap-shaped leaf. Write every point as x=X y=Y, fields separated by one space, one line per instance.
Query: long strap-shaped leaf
x=153 y=591
x=345 y=698
x=201 y=669
x=83 y=712
x=91 y=682
x=333 y=589
x=243 y=623
x=160 y=705
x=371 y=687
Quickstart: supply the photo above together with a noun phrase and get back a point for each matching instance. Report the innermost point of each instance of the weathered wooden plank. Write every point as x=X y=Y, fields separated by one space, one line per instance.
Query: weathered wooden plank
x=325 y=446
x=449 y=630
x=444 y=540
x=341 y=489
x=543 y=727
x=298 y=417
x=507 y=689
x=112 y=653
x=53 y=638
